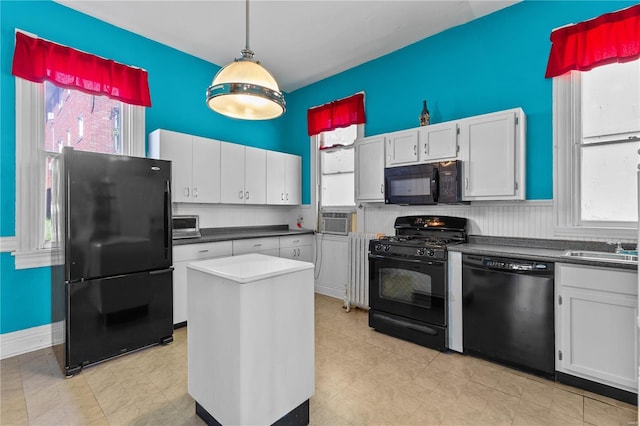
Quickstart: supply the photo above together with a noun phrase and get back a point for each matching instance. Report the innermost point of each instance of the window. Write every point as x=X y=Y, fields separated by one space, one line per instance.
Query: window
x=337 y=167
x=104 y=125
x=597 y=137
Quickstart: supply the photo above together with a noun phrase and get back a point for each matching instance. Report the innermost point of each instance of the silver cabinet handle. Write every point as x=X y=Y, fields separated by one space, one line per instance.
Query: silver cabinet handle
x=298 y=252
x=241 y=195
x=287 y=196
x=426 y=149
x=296 y=241
x=246 y=196
x=282 y=196
x=203 y=251
x=382 y=188
x=294 y=252
x=466 y=183
x=195 y=192
x=415 y=150
x=258 y=245
x=186 y=192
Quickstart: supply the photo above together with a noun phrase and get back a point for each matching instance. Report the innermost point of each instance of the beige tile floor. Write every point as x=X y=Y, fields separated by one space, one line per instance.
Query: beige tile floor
x=362 y=377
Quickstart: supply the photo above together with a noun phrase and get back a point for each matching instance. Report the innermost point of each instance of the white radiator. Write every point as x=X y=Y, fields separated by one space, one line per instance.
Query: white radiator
x=357 y=291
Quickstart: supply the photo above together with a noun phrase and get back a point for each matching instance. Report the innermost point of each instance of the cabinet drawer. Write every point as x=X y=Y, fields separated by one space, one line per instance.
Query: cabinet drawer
x=255 y=245
x=295 y=241
x=202 y=251
x=595 y=278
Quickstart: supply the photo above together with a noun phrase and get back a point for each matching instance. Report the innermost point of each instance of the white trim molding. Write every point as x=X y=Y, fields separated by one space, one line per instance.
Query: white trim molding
x=27 y=340
x=38 y=258
x=7 y=244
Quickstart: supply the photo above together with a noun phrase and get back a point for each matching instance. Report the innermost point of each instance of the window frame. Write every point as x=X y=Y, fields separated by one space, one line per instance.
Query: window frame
x=30 y=170
x=567 y=136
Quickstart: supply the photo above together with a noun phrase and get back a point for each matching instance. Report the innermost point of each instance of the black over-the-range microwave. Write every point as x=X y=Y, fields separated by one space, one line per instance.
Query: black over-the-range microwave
x=422 y=184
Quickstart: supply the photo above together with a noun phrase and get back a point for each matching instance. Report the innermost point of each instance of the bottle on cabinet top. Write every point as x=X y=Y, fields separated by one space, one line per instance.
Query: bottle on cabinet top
x=424 y=115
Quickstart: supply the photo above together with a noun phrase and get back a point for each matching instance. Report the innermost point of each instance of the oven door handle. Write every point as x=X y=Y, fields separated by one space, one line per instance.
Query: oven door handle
x=417 y=261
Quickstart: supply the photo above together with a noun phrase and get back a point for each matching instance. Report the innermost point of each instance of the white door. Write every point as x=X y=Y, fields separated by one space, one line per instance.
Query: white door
x=275 y=177
x=206 y=170
x=438 y=142
x=255 y=175
x=292 y=179
x=177 y=148
x=231 y=173
x=402 y=148
x=369 y=168
x=491 y=161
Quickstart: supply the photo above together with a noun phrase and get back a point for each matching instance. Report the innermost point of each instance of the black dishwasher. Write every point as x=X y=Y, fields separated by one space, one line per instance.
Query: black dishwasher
x=507 y=311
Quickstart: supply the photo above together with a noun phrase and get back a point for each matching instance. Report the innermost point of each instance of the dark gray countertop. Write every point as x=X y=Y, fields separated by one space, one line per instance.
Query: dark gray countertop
x=537 y=249
x=241 y=233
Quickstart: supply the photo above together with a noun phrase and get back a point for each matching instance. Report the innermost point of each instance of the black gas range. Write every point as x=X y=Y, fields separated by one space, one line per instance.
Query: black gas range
x=408 y=278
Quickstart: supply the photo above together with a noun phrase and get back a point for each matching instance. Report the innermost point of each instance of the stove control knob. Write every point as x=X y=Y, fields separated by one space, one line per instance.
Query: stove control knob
x=431 y=253
x=420 y=252
x=387 y=247
x=378 y=247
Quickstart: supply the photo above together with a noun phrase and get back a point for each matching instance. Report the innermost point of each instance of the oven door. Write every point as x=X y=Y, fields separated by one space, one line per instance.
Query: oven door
x=413 y=289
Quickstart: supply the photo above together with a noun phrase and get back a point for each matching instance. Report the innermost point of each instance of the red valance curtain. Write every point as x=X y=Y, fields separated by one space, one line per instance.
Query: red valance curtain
x=336 y=114
x=612 y=37
x=37 y=60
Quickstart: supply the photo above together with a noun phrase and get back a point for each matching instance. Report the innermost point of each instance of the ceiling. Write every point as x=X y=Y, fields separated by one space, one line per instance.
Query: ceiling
x=298 y=41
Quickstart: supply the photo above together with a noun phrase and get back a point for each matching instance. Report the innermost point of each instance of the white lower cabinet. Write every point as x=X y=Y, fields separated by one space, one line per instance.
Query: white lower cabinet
x=182 y=256
x=596 y=332
x=297 y=247
x=269 y=246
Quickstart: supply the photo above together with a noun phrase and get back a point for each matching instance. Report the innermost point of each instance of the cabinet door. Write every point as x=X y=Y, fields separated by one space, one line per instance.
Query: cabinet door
x=177 y=148
x=490 y=161
x=438 y=142
x=206 y=170
x=369 y=169
x=402 y=148
x=231 y=173
x=599 y=338
x=180 y=291
x=292 y=179
x=255 y=175
x=275 y=177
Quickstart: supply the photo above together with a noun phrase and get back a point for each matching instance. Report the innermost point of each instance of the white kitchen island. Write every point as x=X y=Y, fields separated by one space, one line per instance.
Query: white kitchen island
x=251 y=339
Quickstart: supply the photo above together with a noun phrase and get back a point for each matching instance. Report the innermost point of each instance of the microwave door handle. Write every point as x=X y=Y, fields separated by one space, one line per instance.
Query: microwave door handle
x=435 y=190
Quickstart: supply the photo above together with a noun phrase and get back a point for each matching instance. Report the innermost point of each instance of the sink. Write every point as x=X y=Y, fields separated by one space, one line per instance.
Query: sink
x=603 y=256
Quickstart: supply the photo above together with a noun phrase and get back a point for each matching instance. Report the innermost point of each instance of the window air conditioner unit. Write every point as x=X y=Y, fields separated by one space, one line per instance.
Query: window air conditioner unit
x=50 y=116
x=335 y=223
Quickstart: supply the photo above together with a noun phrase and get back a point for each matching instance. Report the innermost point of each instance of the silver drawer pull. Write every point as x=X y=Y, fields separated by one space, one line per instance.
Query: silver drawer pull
x=203 y=251
x=257 y=245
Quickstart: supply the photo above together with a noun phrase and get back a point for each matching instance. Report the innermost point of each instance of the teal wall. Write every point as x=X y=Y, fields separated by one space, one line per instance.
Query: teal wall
x=493 y=63
x=177 y=82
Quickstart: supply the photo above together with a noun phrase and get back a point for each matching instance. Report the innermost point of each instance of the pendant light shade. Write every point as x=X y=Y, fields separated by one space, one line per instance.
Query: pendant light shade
x=246 y=90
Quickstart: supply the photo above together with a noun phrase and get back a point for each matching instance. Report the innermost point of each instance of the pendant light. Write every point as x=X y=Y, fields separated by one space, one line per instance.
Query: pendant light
x=244 y=89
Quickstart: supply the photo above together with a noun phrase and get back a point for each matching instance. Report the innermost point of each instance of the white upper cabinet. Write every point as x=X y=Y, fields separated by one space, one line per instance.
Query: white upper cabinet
x=369 y=169
x=284 y=174
x=492 y=147
x=242 y=174
x=426 y=144
x=402 y=148
x=195 y=169
x=438 y=142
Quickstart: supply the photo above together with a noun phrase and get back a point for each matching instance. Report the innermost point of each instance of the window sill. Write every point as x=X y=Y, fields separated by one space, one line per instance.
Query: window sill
x=38 y=258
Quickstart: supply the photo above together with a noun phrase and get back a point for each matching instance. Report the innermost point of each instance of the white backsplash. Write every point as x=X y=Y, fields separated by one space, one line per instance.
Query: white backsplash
x=525 y=219
x=226 y=215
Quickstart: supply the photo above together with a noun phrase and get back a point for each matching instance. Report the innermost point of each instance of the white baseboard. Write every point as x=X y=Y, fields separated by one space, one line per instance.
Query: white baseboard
x=27 y=340
x=329 y=291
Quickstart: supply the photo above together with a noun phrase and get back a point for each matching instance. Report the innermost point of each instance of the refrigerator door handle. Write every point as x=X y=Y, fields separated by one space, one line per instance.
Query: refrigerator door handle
x=168 y=231
x=161 y=271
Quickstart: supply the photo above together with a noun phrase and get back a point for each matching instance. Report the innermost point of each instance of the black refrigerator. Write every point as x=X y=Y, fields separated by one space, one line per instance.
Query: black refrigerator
x=115 y=292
